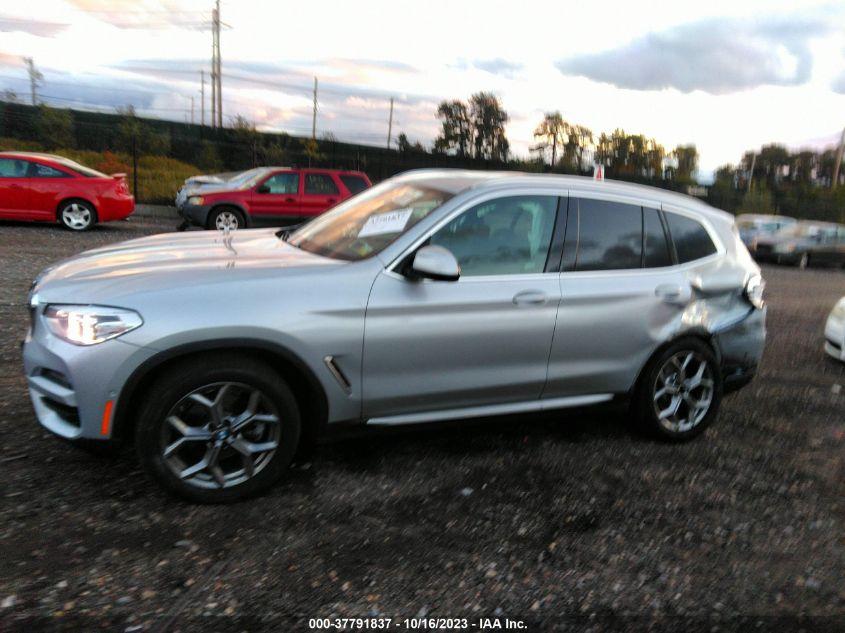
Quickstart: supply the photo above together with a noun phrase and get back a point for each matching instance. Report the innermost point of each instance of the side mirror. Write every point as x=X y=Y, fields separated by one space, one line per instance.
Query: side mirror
x=264 y=189
x=436 y=262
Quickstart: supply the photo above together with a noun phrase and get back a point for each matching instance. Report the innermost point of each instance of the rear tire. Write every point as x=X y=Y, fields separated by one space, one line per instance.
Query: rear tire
x=679 y=391
x=804 y=261
x=222 y=218
x=218 y=428
x=77 y=215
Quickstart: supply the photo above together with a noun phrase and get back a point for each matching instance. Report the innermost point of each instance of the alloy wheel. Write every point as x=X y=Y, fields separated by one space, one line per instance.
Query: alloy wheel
x=76 y=216
x=683 y=391
x=220 y=435
x=226 y=221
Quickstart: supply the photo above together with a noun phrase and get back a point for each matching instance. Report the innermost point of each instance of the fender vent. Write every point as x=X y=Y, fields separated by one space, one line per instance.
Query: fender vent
x=335 y=371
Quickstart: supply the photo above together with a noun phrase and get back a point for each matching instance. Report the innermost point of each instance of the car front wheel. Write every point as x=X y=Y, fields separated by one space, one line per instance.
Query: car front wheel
x=218 y=429
x=77 y=215
x=226 y=219
x=680 y=391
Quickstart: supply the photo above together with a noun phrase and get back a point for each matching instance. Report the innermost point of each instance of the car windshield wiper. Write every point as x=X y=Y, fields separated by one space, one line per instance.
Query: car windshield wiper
x=284 y=232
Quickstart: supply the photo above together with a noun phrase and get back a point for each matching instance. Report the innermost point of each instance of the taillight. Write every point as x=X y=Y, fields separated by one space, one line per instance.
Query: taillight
x=754 y=288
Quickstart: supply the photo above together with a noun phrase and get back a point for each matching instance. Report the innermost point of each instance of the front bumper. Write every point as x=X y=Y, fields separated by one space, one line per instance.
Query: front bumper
x=741 y=349
x=195 y=214
x=834 y=334
x=71 y=386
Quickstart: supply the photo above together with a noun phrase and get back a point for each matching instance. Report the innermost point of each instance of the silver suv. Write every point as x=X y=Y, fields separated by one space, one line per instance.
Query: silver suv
x=435 y=295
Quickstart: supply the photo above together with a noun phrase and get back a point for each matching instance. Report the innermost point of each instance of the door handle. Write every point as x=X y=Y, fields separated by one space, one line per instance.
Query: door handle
x=290 y=199
x=673 y=293
x=530 y=297
x=332 y=200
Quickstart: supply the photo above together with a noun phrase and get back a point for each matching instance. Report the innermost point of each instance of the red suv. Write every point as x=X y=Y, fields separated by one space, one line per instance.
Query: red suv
x=270 y=195
x=47 y=188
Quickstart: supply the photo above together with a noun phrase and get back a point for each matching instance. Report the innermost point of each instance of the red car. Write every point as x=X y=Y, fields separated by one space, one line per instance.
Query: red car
x=46 y=188
x=269 y=195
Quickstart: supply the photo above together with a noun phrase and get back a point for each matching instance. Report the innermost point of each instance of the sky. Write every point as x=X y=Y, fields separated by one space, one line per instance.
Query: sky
x=726 y=75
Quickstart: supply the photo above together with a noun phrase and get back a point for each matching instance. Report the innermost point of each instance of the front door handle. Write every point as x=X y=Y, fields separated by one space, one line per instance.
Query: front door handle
x=290 y=199
x=332 y=200
x=530 y=297
x=673 y=293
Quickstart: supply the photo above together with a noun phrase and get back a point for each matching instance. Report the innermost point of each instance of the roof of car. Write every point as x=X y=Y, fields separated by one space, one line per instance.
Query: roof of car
x=34 y=155
x=459 y=180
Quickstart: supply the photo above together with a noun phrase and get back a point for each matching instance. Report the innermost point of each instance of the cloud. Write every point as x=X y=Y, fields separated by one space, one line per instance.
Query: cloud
x=838 y=84
x=39 y=28
x=155 y=15
x=719 y=56
x=498 y=66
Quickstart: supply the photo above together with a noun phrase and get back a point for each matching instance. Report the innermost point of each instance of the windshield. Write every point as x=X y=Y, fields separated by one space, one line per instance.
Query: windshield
x=369 y=222
x=82 y=169
x=248 y=178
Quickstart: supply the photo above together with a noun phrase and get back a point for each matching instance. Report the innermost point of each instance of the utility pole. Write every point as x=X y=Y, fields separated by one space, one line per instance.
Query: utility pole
x=390 y=124
x=213 y=84
x=751 y=175
x=218 y=67
x=192 y=109
x=35 y=78
x=835 y=181
x=314 y=114
x=202 y=98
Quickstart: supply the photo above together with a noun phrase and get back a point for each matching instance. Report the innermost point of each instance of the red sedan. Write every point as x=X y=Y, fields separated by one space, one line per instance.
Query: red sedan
x=46 y=188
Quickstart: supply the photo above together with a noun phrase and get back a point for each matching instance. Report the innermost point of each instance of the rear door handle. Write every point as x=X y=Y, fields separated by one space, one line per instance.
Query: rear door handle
x=530 y=297
x=290 y=199
x=332 y=200
x=673 y=293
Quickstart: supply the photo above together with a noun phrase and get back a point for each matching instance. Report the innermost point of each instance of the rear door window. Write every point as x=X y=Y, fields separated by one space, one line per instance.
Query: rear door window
x=610 y=235
x=656 y=251
x=692 y=241
x=320 y=184
x=355 y=184
x=45 y=171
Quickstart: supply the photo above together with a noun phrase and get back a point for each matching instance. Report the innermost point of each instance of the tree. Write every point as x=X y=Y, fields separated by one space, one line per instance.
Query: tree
x=132 y=130
x=686 y=157
x=404 y=145
x=552 y=132
x=54 y=128
x=488 y=126
x=10 y=96
x=579 y=140
x=456 y=132
x=312 y=151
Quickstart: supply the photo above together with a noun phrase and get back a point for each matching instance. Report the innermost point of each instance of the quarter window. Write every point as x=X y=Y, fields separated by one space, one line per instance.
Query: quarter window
x=320 y=184
x=655 y=247
x=506 y=236
x=43 y=171
x=355 y=184
x=691 y=239
x=609 y=235
x=282 y=183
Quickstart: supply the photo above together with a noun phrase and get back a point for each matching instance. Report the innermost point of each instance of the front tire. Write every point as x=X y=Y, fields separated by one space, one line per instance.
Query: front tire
x=226 y=218
x=679 y=392
x=77 y=215
x=218 y=428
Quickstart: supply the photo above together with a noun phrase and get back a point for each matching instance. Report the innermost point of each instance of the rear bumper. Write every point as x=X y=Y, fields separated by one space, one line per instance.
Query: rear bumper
x=740 y=348
x=115 y=208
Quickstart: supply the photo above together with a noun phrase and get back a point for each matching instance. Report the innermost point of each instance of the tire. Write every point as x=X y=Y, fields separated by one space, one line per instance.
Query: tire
x=223 y=217
x=804 y=261
x=194 y=411
x=687 y=422
x=77 y=215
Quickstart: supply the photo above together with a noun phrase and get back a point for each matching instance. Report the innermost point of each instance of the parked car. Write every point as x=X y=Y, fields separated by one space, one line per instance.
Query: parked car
x=47 y=188
x=752 y=226
x=272 y=195
x=834 y=331
x=438 y=294
x=197 y=184
x=830 y=251
x=796 y=243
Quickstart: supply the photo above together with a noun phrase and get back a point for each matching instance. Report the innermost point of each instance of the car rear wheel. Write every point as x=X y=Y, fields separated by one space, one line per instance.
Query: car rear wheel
x=218 y=429
x=77 y=215
x=226 y=219
x=680 y=391
x=804 y=261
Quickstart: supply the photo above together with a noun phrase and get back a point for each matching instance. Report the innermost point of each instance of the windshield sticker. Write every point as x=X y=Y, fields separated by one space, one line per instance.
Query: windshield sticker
x=391 y=222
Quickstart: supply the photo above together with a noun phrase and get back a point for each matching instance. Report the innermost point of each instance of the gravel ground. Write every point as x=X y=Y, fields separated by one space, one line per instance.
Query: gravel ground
x=565 y=521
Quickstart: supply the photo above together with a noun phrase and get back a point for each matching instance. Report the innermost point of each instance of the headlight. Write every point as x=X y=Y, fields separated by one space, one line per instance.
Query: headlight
x=195 y=200
x=839 y=310
x=754 y=288
x=787 y=247
x=88 y=325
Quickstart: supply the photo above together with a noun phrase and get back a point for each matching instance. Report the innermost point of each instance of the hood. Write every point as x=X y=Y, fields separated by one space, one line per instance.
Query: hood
x=172 y=259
